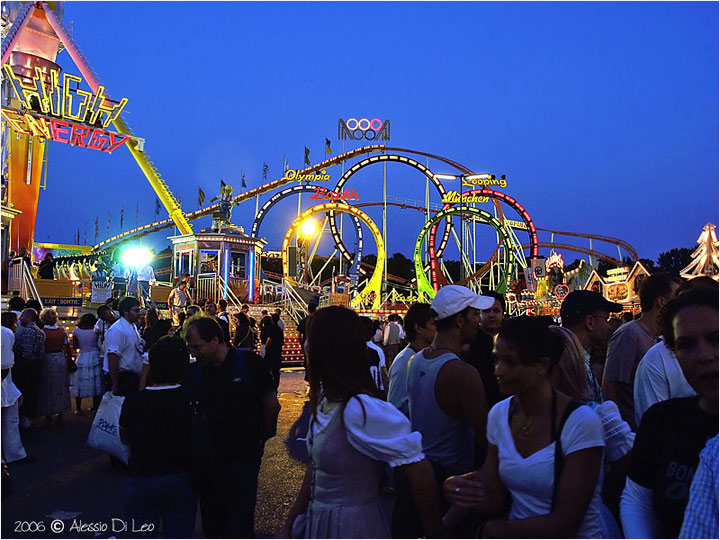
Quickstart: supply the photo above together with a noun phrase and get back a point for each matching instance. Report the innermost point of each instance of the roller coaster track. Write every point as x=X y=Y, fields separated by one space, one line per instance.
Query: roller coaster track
x=578 y=249
x=167 y=223
x=609 y=239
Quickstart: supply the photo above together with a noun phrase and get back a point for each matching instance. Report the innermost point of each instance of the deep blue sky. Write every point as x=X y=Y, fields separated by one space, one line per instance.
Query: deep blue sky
x=603 y=116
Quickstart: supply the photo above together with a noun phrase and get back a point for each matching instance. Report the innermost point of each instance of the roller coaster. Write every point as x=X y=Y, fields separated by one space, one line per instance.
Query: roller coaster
x=497 y=271
x=502 y=270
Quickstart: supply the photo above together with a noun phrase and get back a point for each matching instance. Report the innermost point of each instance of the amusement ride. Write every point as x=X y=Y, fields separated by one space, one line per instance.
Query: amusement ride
x=224 y=261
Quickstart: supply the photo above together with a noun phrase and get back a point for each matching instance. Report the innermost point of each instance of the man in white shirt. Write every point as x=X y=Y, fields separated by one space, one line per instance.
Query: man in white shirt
x=145 y=279
x=392 y=336
x=123 y=350
x=119 y=275
x=178 y=300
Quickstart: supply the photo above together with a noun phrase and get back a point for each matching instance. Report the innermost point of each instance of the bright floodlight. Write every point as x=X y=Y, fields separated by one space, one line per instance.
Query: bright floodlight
x=136 y=257
x=308 y=227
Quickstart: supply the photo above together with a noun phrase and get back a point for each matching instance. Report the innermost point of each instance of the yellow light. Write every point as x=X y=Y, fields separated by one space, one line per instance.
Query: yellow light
x=308 y=227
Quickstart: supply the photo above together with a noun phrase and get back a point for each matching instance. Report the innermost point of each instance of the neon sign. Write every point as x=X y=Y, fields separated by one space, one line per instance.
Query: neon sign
x=325 y=194
x=484 y=180
x=453 y=197
x=67 y=101
x=63 y=132
x=292 y=174
x=363 y=129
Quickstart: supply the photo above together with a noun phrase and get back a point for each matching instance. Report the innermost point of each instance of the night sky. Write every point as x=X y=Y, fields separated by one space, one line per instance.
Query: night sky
x=603 y=116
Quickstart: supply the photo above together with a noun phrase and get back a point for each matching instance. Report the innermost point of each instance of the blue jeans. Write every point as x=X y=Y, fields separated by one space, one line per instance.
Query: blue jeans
x=168 y=498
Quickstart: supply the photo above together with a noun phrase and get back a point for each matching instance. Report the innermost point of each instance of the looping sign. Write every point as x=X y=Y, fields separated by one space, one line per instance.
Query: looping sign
x=363 y=129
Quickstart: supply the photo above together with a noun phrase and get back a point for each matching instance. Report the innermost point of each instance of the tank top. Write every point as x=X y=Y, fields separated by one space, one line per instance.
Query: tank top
x=447 y=441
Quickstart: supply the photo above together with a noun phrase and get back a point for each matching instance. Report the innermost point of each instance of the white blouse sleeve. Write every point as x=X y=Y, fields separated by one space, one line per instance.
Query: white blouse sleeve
x=582 y=430
x=619 y=438
x=381 y=432
x=497 y=415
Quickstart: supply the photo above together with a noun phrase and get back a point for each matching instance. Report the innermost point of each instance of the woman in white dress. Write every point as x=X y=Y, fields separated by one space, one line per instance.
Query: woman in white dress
x=351 y=434
x=87 y=381
x=554 y=487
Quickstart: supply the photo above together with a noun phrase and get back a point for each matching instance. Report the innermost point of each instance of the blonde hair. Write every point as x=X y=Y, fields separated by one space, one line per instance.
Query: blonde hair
x=48 y=316
x=569 y=375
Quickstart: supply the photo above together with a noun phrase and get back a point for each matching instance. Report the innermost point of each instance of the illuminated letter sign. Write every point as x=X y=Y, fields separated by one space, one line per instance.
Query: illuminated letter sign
x=64 y=132
x=67 y=101
x=322 y=193
x=363 y=129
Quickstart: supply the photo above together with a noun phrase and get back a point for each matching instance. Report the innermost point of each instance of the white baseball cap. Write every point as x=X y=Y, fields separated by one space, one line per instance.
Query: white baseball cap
x=452 y=299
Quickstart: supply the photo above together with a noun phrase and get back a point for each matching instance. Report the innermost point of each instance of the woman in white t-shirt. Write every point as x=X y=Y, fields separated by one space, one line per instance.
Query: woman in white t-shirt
x=522 y=435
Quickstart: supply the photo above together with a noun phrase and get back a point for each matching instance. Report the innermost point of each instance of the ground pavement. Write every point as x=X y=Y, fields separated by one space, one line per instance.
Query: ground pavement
x=69 y=481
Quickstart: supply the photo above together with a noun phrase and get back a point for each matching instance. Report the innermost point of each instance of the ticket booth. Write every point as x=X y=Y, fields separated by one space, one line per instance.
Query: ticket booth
x=220 y=264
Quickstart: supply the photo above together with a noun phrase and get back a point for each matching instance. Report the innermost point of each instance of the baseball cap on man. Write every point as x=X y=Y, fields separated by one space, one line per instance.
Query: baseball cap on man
x=452 y=299
x=578 y=304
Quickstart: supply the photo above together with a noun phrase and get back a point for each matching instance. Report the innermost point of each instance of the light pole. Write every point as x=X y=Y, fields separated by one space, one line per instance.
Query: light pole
x=307 y=231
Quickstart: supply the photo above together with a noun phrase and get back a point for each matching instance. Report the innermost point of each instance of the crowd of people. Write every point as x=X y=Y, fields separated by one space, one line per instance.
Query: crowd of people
x=478 y=424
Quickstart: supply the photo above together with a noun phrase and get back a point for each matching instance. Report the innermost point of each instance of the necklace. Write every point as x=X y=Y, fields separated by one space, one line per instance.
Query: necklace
x=525 y=430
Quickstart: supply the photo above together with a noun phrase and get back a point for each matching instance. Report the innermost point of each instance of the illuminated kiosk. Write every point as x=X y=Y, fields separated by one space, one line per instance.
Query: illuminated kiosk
x=222 y=262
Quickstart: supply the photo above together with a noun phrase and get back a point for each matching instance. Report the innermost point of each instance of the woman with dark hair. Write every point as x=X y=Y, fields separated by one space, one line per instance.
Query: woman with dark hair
x=55 y=380
x=244 y=336
x=47 y=267
x=87 y=381
x=351 y=434
x=156 y=424
x=544 y=448
x=155 y=328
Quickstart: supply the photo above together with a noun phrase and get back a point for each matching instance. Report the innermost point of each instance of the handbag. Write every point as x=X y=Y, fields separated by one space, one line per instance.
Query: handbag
x=105 y=430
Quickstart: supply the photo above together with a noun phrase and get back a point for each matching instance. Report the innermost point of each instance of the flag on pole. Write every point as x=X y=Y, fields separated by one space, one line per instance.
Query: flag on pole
x=137 y=214
x=307 y=156
x=242 y=180
x=77 y=240
x=328 y=150
x=157 y=207
x=108 y=225
x=122 y=217
x=222 y=184
x=201 y=196
x=97 y=232
x=265 y=171
x=286 y=164
x=85 y=234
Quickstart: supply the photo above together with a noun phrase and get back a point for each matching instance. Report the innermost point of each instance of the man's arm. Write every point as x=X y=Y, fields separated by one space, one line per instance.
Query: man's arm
x=271 y=410
x=460 y=393
x=114 y=369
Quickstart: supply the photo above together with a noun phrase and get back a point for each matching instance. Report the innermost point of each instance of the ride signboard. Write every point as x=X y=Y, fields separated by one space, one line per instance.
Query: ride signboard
x=363 y=129
x=63 y=113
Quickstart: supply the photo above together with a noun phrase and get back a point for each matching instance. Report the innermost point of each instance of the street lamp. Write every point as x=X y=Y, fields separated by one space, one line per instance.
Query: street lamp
x=307 y=230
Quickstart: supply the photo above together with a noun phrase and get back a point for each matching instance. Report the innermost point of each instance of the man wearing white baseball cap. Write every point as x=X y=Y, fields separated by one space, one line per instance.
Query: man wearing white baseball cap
x=446 y=397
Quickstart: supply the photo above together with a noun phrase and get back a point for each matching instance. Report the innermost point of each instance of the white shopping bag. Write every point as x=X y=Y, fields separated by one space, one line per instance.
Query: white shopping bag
x=105 y=430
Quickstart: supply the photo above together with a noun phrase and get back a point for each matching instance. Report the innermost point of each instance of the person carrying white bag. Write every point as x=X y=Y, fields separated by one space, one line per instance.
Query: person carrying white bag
x=105 y=430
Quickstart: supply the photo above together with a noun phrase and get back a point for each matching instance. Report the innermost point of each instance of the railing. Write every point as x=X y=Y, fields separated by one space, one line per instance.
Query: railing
x=292 y=301
x=20 y=280
x=207 y=285
x=232 y=298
